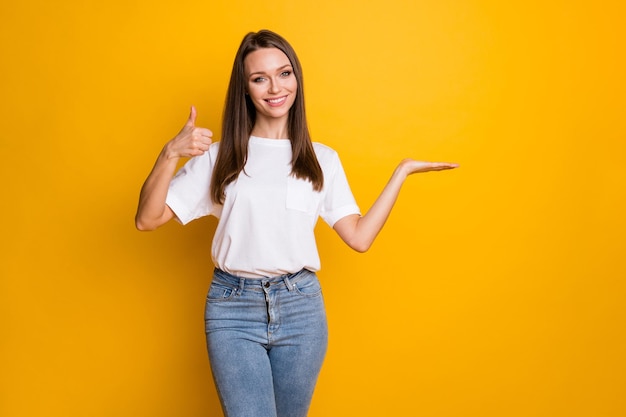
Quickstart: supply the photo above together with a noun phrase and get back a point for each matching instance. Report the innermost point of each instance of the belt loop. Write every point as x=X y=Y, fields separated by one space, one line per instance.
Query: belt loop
x=288 y=284
x=242 y=282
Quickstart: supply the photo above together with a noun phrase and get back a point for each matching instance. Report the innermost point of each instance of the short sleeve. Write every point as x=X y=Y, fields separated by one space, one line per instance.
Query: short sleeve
x=189 y=191
x=338 y=200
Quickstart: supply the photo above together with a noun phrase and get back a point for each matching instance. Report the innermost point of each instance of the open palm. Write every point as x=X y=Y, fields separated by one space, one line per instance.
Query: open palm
x=411 y=166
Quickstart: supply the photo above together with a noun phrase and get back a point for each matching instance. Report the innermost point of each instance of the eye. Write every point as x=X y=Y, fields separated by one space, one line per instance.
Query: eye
x=285 y=73
x=258 y=79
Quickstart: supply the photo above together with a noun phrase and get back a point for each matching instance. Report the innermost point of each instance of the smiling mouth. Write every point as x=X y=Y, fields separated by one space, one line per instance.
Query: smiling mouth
x=276 y=101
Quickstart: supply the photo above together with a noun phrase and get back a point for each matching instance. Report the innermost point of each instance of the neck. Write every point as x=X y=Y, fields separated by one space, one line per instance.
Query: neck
x=270 y=129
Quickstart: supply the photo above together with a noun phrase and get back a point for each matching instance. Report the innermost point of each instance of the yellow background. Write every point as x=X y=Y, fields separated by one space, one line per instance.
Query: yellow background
x=495 y=290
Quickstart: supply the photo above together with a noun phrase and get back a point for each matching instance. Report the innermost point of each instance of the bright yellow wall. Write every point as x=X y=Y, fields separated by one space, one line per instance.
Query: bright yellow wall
x=495 y=290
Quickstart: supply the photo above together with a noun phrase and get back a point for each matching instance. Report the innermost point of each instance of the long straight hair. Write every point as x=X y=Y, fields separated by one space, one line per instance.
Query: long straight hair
x=240 y=115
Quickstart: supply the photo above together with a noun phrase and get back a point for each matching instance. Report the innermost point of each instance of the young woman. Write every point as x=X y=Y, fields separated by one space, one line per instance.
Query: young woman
x=267 y=182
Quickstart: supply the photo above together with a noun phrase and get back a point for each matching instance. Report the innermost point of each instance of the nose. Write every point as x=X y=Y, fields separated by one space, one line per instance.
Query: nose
x=274 y=86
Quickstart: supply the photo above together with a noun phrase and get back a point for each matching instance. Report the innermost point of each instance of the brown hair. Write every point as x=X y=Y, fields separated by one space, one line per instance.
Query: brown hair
x=240 y=115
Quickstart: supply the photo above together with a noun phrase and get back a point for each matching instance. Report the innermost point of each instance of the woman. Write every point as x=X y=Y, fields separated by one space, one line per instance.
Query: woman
x=267 y=182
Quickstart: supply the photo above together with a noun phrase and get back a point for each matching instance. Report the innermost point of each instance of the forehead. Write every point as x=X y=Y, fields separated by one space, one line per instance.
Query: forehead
x=265 y=60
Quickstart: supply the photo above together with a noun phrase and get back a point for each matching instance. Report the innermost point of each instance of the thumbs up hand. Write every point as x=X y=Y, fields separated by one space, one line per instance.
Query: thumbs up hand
x=190 y=141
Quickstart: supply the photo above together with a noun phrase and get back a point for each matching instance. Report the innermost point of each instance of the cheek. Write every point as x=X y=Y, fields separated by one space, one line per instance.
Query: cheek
x=254 y=91
x=293 y=85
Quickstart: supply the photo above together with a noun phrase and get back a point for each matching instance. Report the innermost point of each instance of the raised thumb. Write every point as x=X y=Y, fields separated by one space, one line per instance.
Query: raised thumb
x=192 y=117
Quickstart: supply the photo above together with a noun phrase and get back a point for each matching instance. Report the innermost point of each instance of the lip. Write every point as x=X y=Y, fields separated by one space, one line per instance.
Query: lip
x=276 y=101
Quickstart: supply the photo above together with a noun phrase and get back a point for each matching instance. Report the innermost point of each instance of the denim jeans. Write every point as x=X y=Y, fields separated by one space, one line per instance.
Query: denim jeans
x=267 y=340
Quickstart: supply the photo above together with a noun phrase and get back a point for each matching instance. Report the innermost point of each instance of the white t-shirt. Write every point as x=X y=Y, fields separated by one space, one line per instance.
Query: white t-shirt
x=268 y=217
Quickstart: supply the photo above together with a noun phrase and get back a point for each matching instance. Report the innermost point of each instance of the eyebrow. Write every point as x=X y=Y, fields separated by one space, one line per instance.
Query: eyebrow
x=277 y=70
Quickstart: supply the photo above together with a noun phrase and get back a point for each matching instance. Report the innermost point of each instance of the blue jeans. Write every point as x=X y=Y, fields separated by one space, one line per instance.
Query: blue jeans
x=267 y=340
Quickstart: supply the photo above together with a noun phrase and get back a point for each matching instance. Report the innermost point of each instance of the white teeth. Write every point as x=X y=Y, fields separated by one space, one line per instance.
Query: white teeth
x=276 y=100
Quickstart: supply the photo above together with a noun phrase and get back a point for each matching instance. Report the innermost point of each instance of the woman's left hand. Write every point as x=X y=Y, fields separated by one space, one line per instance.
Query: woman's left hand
x=411 y=166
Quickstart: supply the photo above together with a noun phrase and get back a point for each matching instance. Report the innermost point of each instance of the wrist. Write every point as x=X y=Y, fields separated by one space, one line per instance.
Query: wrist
x=402 y=170
x=167 y=153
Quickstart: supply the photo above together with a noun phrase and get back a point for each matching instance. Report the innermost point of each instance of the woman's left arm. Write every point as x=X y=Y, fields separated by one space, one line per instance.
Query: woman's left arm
x=359 y=232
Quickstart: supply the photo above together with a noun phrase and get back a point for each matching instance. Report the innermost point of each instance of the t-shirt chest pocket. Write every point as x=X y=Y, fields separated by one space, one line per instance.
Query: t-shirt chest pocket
x=301 y=196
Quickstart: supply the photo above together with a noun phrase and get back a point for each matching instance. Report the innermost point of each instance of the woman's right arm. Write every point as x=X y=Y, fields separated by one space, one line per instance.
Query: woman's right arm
x=152 y=211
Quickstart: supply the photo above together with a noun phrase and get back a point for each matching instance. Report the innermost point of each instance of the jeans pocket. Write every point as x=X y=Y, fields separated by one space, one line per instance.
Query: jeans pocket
x=220 y=292
x=308 y=286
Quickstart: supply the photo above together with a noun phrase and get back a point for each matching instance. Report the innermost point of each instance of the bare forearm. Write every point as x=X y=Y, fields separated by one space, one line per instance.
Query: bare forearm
x=189 y=142
x=151 y=212
x=360 y=232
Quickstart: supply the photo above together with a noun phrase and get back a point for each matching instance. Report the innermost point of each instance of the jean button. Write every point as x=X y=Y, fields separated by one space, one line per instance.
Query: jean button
x=266 y=285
